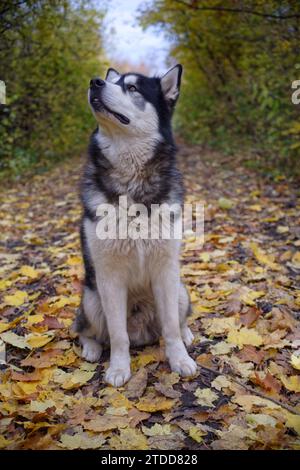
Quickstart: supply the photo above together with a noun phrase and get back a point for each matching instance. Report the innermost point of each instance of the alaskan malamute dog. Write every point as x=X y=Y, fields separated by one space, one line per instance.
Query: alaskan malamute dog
x=132 y=290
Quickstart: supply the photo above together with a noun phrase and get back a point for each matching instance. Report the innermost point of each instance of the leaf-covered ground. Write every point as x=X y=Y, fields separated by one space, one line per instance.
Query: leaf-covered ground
x=244 y=285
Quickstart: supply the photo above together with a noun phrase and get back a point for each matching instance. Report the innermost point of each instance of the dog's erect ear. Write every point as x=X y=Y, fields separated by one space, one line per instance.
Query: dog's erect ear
x=112 y=75
x=170 y=84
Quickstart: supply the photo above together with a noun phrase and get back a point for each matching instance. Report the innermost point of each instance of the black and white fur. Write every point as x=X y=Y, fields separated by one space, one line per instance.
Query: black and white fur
x=132 y=292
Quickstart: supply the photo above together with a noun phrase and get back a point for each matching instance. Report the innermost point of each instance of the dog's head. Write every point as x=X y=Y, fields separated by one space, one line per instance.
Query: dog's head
x=133 y=103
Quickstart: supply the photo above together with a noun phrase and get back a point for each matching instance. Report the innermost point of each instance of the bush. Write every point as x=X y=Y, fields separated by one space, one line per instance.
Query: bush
x=48 y=53
x=239 y=64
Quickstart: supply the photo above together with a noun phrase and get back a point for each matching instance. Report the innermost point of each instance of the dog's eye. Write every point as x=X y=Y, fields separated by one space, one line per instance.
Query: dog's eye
x=131 y=88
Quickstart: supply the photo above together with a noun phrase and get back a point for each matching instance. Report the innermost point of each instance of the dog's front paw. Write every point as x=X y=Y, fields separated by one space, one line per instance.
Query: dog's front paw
x=184 y=366
x=116 y=376
x=91 y=350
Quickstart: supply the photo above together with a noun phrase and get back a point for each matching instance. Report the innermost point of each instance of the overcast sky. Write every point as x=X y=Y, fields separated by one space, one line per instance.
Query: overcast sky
x=126 y=41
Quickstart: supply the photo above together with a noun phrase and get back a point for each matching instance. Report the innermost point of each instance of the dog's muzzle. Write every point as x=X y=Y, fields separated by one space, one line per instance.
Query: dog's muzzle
x=96 y=87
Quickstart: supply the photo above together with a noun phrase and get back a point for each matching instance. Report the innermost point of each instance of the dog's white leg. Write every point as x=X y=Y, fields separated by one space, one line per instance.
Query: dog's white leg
x=114 y=301
x=90 y=325
x=165 y=286
x=187 y=335
x=184 y=311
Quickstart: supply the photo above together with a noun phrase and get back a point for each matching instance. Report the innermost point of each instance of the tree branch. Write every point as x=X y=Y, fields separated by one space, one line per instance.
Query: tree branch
x=248 y=11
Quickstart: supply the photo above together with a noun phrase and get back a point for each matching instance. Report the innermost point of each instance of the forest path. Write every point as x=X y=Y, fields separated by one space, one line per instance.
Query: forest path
x=244 y=286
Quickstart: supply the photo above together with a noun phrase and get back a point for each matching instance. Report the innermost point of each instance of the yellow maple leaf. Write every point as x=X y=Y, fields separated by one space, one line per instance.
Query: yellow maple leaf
x=157 y=430
x=106 y=423
x=4 y=326
x=293 y=421
x=194 y=296
x=196 y=433
x=69 y=357
x=295 y=361
x=29 y=271
x=74 y=260
x=16 y=299
x=81 y=441
x=32 y=319
x=260 y=419
x=263 y=258
x=5 y=283
x=60 y=302
x=218 y=326
x=35 y=340
x=221 y=348
x=296 y=260
x=41 y=406
x=120 y=411
x=129 y=439
x=4 y=442
x=291 y=383
x=250 y=296
x=255 y=208
x=221 y=382
x=206 y=397
x=17 y=341
x=77 y=378
x=142 y=360
x=244 y=336
x=23 y=389
x=247 y=402
x=152 y=403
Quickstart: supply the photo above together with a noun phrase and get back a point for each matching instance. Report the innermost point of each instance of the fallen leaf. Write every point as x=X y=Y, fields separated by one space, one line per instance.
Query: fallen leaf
x=267 y=381
x=137 y=384
x=129 y=439
x=250 y=316
x=106 y=423
x=250 y=354
x=196 y=433
x=220 y=348
x=152 y=403
x=225 y=203
x=27 y=377
x=15 y=340
x=81 y=441
x=293 y=421
x=250 y=296
x=157 y=430
x=260 y=419
x=15 y=300
x=29 y=271
x=205 y=397
x=263 y=258
x=72 y=379
x=218 y=326
x=244 y=336
x=295 y=361
x=35 y=340
x=221 y=382
x=291 y=383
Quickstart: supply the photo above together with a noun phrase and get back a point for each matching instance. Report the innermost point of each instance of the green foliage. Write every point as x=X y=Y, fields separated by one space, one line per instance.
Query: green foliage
x=49 y=50
x=240 y=61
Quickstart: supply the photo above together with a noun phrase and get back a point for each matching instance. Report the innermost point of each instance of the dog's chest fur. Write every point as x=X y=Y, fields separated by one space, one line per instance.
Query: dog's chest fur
x=144 y=172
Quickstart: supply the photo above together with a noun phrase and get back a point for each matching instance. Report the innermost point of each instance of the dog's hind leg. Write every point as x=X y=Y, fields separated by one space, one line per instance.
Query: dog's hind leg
x=184 y=311
x=91 y=326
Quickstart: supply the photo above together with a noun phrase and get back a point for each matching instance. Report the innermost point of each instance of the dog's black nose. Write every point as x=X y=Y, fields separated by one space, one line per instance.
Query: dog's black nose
x=97 y=82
